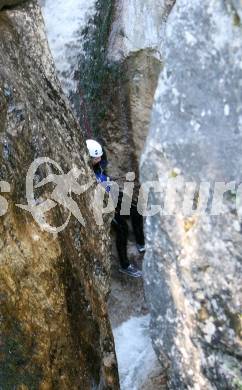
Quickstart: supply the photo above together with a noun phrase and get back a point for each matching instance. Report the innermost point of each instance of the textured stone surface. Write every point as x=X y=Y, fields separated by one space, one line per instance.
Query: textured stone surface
x=193 y=264
x=129 y=115
x=137 y=49
x=135 y=46
x=138 y=26
x=55 y=332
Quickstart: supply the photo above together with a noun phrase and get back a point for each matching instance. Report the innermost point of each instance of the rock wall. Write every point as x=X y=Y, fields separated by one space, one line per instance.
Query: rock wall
x=193 y=262
x=55 y=331
x=127 y=51
x=135 y=44
x=135 y=49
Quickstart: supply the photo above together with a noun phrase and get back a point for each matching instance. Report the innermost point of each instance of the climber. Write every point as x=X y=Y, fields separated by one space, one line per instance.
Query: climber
x=99 y=163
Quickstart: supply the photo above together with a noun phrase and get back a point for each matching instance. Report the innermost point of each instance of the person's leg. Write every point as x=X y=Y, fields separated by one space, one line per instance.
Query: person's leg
x=137 y=224
x=121 y=228
x=120 y=225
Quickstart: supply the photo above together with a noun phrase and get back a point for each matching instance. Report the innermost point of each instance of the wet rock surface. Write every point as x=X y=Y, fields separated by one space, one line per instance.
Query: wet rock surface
x=193 y=262
x=64 y=23
x=54 y=327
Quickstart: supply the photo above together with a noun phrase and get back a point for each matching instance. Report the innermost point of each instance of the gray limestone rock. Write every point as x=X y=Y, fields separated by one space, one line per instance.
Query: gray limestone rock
x=193 y=264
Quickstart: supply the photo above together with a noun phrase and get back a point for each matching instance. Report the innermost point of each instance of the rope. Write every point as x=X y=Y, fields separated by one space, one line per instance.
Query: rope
x=86 y=123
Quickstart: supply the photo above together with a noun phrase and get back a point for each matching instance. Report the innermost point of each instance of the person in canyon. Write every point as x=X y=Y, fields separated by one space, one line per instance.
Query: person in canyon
x=119 y=223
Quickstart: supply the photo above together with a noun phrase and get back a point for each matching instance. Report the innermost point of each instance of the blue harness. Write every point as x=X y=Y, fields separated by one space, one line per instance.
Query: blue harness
x=102 y=178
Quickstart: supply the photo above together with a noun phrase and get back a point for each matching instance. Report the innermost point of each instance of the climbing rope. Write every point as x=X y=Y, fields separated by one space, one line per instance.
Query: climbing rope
x=84 y=113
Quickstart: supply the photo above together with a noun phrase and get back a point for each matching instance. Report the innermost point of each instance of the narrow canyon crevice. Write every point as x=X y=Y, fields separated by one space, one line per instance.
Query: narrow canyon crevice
x=118 y=106
x=113 y=99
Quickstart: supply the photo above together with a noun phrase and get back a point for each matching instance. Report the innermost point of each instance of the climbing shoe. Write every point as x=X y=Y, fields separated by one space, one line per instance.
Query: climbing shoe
x=141 y=248
x=131 y=271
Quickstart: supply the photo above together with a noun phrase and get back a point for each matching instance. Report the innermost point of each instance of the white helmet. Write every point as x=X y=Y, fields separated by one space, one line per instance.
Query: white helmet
x=94 y=148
